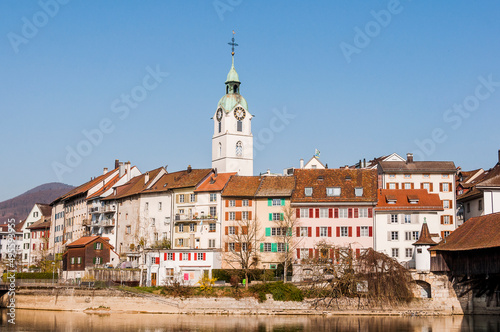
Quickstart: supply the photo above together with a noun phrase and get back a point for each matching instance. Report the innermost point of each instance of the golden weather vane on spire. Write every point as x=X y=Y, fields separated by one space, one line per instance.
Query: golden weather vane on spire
x=233 y=44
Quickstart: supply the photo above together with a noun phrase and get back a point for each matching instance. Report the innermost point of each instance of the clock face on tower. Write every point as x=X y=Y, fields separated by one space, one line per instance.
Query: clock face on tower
x=219 y=114
x=239 y=113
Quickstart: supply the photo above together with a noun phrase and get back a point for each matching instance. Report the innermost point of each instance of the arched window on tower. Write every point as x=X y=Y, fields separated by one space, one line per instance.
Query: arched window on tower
x=220 y=149
x=239 y=149
x=220 y=126
x=239 y=125
x=235 y=88
x=227 y=89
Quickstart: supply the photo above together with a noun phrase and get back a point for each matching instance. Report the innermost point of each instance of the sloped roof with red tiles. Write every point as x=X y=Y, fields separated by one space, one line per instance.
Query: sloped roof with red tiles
x=346 y=179
x=276 y=186
x=85 y=240
x=425 y=236
x=241 y=186
x=469 y=195
x=492 y=179
x=19 y=227
x=417 y=167
x=135 y=186
x=180 y=179
x=402 y=198
x=106 y=187
x=481 y=232
x=215 y=182
x=43 y=223
x=45 y=209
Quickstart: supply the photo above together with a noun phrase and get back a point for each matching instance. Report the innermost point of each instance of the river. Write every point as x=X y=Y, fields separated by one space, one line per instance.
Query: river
x=39 y=320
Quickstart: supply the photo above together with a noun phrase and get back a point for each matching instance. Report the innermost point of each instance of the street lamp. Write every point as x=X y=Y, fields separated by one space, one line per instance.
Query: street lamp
x=53 y=268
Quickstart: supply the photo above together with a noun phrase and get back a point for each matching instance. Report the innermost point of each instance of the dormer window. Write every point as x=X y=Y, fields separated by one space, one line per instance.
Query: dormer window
x=358 y=192
x=320 y=178
x=308 y=191
x=391 y=199
x=333 y=191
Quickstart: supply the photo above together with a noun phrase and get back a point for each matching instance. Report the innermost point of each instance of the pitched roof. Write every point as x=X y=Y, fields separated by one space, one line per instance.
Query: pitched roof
x=425 y=236
x=43 y=223
x=85 y=240
x=106 y=186
x=476 y=233
x=19 y=227
x=181 y=179
x=45 y=209
x=418 y=167
x=346 y=179
x=471 y=194
x=492 y=178
x=135 y=186
x=241 y=186
x=215 y=182
x=276 y=186
x=402 y=198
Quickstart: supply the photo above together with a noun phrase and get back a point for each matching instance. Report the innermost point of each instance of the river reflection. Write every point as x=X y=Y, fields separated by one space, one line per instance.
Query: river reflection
x=38 y=320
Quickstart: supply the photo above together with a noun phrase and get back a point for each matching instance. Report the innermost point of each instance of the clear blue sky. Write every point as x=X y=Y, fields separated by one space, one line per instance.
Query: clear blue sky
x=354 y=95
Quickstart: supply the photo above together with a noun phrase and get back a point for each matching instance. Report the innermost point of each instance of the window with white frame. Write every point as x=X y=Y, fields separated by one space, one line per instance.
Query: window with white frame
x=333 y=191
x=358 y=192
x=446 y=233
x=212 y=227
x=446 y=220
x=343 y=213
x=323 y=231
x=181 y=228
x=394 y=218
x=200 y=256
x=364 y=231
x=304 y=213
x=276 y=201
x=446 y=176
x=193 y=198
x=407 y=218
x=211 y=243
x=185 y=256
x=244 y=215
x=304 y=231
x=181 y=198
x=213 y=197
x=276 y=216
x=395 y=252
x=245 y=202
x=232 y=215
x=446 y=187
x=407 y=185
x=232 y=202
x=446 y=204
x=232 y=230
x=394 y=236
x=308 y=191
x=363 y=213
x=170 y=256
x=267 y=247
x=323 y=213
x=407 y=176
x=409 y=252
x=392 y=176
x=281 y=247
x=426 y=185
x=192 y=227
x=304 y=253
x=392 y=185
x=213 y=211
x=244 y=247
x=79 y=260
x=344 y=231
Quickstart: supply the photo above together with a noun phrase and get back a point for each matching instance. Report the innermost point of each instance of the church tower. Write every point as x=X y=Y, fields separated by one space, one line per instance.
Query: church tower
x=232 y=142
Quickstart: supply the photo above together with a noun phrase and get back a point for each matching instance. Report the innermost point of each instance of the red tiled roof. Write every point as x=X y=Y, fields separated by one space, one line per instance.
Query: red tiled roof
x=425 y=236
x=492 y=179
x=417 y=167
x=83 y=241
x=241 y=186
x=276 y=186
x=135 y=186
x=476 y=233
x=19 y=227
x=346 y=179
x=214 y=183
x=106 y=187
x=45 y=209
x=180 y=179
x=82 y=189
x=43 y=223
x=402 y=197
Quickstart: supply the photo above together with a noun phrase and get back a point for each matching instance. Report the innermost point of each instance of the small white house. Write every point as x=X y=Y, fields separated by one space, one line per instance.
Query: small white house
x=186 y=266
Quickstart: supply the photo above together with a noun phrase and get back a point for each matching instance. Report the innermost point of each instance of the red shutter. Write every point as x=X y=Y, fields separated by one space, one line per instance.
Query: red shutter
x=316 y=253
x=397 y=186
x=310 y=253
x=227 y=216
x=350 y=231
x=244 y=230
x=238 y=215
x=311 y=213
x=165 y=256
x=358 y=252
x=249 y=202
x=356 y=213
x=225 y=246
x=236 y=230
x=442 y=234
x=422 y=185
x=442 y=220
x=227 y=203
x=358 y=231
x=250 y=215
x=195 y=256
x=180 y=256
x=329 y=232
x=332 y=255
x=336 y=213
x=298 y=231
x=451 y=220
x=317 y=231
x=157 y=260
x=309 y=231
x=317 y=213
x=204 y=256
x=298 y=253
x=238 y=203
x=349 y=213
x=297 y=213
x=386 y=186
x=330 y=213
x=227 y=229
x=338 y=231
x=412 y=186
x=440 y=187
x=370 y=231
x=432 y=187
x=370 y=213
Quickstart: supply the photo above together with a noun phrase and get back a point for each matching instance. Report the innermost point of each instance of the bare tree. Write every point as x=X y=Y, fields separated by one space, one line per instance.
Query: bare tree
x=240 y=248
x=287 y=224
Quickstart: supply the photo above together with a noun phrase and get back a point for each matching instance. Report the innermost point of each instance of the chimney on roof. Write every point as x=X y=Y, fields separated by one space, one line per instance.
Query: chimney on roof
x=189 y=169
x=364 y=162
x=121 y=169
x=117 y=163
x=127 y=170
x=301 y=163
x=409 y=158
x=105 y=170
x=499 y=156
x=146 y=177
x=215 y=172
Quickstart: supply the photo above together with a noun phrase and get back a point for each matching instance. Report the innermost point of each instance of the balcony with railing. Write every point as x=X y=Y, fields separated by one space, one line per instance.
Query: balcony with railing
x=103 y=223
x=194 y=217
x=109 y=208
x=95 y=209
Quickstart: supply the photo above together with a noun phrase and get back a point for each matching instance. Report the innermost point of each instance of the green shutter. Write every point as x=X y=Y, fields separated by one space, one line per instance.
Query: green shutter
x=270 y=217
x=287 y=248
x=268 y=231
x=93 y=260
x=289 y=231
x=262 y=247
x=269 y=202
x=95 y=245
x=274 y=247
x=282 y=216
x=282 y=202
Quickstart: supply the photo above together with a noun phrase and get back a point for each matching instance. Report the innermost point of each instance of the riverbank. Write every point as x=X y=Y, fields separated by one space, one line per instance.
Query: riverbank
x=108 y=301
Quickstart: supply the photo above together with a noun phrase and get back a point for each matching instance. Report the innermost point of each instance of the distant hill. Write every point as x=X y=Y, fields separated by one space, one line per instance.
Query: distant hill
x=19 y=206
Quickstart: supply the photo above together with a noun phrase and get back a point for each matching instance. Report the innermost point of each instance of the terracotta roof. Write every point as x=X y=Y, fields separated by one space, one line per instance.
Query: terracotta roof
x=180 y=179
x=346 y=179
x=241 y=186
x=402 y=197
x=43 y=223
x=425 y=236
x=135 y=186
x=276 y=186
x=214 y=182
x=492 y=178
x=45 y=209
x=476 y=233
x=85 y=240
x=106 y=186
x=417 y=167
x=471 y=194
x=19 y=227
